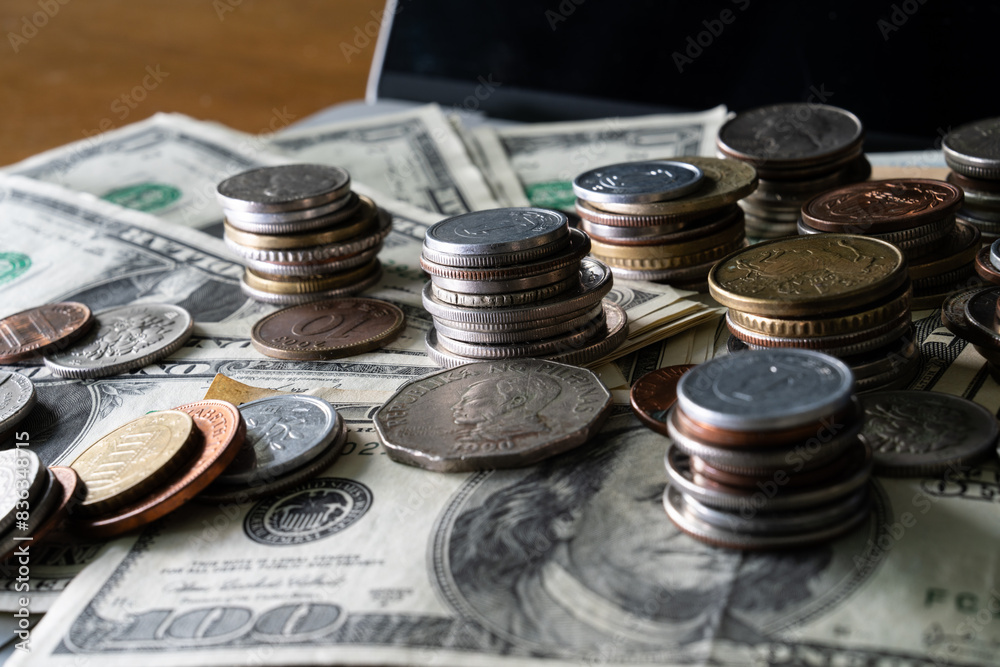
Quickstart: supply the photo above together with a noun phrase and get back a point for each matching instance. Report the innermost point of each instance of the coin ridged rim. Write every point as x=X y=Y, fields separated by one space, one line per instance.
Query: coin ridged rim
x=312 y=271
x=989 y=201
x=984 y=266
x=373 y=342
x=903 y=329
x=949 y=278
x=656 y=247
x=28 y=396
x=291 y=228
x=959 y=251
x=857 y=170
x=507 y=300
x=26 y=351
x=818 y=170
x=905 y=239
x=573 y=252
x=584 y=188
x=562 y=343
x=303 y=285
x=985 y=329
x=340 y=181
x=851 y=338
x=497 y=327
x=858 y=296
x=511 y=285
x=319 y=253
x=503 y=336
x=898 y=377
x=34 y=489
x=675 y=277
x=663 y=233
x=880 y=223
x=306 y=297
x=679 y=262
x=972 y=184
x=968 y=163
x=341 y=226
x=556 y=232
x=985 y=226
x=243 y=218
x=495 y=260
x=625 y=221
x=716 y=192
x=39 y=512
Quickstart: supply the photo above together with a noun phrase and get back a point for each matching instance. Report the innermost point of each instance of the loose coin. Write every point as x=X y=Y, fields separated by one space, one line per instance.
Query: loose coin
x=654 y=393
x=492 y=415
x=638 y=182
x=124 y=339
x=328 y=329
x=498 y=230
x=17 y=398
x=283 y=188
x=42 y=329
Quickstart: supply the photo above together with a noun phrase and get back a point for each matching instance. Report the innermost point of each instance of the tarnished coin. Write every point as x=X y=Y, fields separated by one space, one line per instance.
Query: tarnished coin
x=921 y=433
x=973 y=149
x=135 y=459
x=984 y=265
x=328 y=329
x=498 y=230
x=765 y=389
x=17 y=398
x=980 y=316
x=283 y=188
x=875 y=207
x=22 y=481
x=283 y=433
x=42 y=329
x=356 y=217
x=492 y=415
x=653 y=394
x=638 y=182
x=222 y=434
x=124 y=339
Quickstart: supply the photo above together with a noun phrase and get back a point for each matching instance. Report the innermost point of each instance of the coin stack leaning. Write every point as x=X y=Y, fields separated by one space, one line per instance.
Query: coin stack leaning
x=664 y=220
x=301 y=232
x=842 y=294
x=973 y=153
x=917 y=215
x=799 y=150
x=973 y=315
x=514 y=282
x=766 y=452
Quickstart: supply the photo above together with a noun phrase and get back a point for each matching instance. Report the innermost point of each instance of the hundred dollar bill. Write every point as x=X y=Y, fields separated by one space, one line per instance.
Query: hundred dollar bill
x=415 y=156
x=546 y=157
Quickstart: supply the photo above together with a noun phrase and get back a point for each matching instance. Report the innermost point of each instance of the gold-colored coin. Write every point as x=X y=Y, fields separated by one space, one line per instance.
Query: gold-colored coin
x=306 y=285
x=806 y=276
x=358 y=223
x=135 y=459
x=725 y=182
x=727 y=236
x=663 y=263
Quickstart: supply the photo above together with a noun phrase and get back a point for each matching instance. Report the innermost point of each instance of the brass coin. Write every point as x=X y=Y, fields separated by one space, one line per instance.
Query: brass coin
x=328 y=329
x=635 y=262
x=808 y=275
x=714 y=238
x=256 y=281
x=350 y=221
x=135 y=458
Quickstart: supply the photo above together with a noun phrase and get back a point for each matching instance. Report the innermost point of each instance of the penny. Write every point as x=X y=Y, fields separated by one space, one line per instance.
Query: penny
x=652 y=395
x=73 y=492
x=40 y=510
x=808 y=275
x=873 y=207
x=42 y=329
x=497 y=285
x=283 y=188
x=922 y=433
x=498 y=230
x=492 y=415
x=122 y=339
x=973 y=149
x=134 y=459
x=17 y=398
x=840 y=345
x=328 y=329
x=356 y=217
x=22 y=480
x=638 y=182
x=222 y=435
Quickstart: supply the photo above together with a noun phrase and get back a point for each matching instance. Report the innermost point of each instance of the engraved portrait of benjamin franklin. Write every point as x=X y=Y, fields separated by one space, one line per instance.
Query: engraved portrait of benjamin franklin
x=503 y=408
x=576 y=558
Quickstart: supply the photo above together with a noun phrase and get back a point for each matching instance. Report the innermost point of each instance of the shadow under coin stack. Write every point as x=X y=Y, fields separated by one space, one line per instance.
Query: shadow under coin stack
x=799 y=150
x=974 y=316
x=514 y=282
x=845 y=295
x=664 y=220
x=917 y=215
x=766 y=452
x=973 y=153
x=301 y=232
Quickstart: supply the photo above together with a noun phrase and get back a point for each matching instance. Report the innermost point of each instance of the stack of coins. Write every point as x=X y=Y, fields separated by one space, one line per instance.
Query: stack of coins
x=987 y=264
x=799 y=150
x=302 y=233
x=514 y=282
x=664 y=221
x=973 y=153
x=972 y=315
x=766 y=451
x=917 y=215
x=842 y=294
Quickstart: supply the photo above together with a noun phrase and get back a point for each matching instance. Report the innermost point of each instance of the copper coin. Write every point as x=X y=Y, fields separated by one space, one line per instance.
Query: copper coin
x=73 y=493
x=984 y=266
x=42 y=329
x=652 y=395
x=328 y=329
x=783 y=477
x=222 y=429
x=874 y=207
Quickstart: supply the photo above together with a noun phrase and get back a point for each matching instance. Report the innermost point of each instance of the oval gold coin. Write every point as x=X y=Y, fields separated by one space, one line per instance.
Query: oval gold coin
x=134 y=459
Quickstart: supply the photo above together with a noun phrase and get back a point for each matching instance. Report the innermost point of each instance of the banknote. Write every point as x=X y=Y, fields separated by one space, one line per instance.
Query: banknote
x=487 y=154
x=415 y=156
x=546 y=157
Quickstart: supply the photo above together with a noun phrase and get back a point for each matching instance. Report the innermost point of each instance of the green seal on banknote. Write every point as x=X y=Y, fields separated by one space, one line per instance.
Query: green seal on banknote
x=551 y=194
x=12 y=265
x=144 y=196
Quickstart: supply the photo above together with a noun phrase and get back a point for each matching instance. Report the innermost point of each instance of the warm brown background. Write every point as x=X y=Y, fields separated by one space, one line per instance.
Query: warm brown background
x=233 y=61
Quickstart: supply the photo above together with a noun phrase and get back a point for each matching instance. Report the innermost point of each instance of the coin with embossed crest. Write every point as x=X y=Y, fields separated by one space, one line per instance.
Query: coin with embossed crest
x=496 y=232
x=41 y=329
x=284 y=188
x=485 y=415
x=328 y=329
x=638 y=182
x=874 y=207
x=919 y=433
x=123 y=339
x=973 y=149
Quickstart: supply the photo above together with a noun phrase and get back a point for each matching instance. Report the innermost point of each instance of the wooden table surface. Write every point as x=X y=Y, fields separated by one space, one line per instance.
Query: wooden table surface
x=70 y=68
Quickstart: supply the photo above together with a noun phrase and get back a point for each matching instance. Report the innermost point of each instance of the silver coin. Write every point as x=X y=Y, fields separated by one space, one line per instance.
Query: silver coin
x=318 y=253
x=499 y=259
x=314 y=269
x=507 y=300
x=498 y=230
x=283 y=433
x=995 y=254
x=123 y=339
x=305 y=297
x=616 y=321
x=240 y=219
x=502 y=286
x=567 y=342
x=919 y=433
x=22 y=478
x=765 y=390
x=638 y=182
x=973 y=149
x=41 y=508
x=492 y=415
x=283 y=188
x=17 y=398
x=472 y=332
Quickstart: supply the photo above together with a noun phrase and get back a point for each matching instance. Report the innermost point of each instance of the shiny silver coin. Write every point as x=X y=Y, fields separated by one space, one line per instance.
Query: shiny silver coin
x=508 y=300
x=123 y=339
x=283 y=433
x=241 y=219
x=638 y=182
x=21 y=472
x=477 y=332
x=574 y=340
x=498 y=230
x=17 y=398
x=923 y=433
x=502 y=286
x=973 y=149
x=325 y=267
x=616 y=321
x=472 y=261
x=283 y=188
x=264 y=296
x=995 y=254
x=570 y=253
x=311 y=254
x=765 y=390
x=664 y=234
x=492 y=415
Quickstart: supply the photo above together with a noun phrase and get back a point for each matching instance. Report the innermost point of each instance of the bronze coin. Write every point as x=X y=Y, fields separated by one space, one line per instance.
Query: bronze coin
x=73 y=492
x=875 y=207
x=984 y=266
x=42 y=329
x=786 y=477
x=222 y=429
x=328 y=329
x=652 y=395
